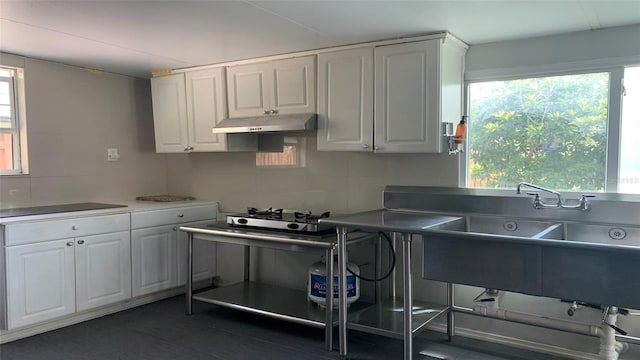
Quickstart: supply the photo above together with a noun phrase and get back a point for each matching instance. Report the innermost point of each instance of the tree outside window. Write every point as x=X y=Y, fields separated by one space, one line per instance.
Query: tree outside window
x=551 y=131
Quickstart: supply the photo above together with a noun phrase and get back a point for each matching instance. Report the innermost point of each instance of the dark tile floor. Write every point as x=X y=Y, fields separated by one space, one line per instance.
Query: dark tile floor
x=161 y=331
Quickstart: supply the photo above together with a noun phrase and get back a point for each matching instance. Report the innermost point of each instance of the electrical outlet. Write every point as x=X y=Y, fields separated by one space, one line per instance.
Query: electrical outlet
x=112 y=154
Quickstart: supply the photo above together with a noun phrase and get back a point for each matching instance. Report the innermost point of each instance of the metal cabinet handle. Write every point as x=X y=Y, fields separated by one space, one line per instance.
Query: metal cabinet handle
x=190 y=148
x=181 y=215
x=267 y=112
x=75 y=227
x=186 y=149
x=70 y=243
x=274 y=111
x=377 y=148
x=175 y=228
x=365 y=146
x=80 y=242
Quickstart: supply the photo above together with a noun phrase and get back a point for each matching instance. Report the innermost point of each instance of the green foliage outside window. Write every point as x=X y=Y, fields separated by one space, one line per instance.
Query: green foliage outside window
x=550 y=131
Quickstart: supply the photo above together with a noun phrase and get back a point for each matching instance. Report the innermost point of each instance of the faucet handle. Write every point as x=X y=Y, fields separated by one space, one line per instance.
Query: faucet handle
x=584 y=204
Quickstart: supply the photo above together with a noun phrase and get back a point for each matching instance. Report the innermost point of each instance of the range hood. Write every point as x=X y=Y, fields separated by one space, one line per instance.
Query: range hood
x=266 y=124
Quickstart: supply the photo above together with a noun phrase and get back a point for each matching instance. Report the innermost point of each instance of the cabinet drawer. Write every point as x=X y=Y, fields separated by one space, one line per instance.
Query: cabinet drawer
x=37 y=231
x=172 y=216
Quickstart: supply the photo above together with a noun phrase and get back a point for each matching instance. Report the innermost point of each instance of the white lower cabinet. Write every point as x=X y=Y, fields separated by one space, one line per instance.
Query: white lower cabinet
x=154 y=259
x=159 y=248
x=57 y=267
x=40 y=282
x=47 y=278
x=103 y=269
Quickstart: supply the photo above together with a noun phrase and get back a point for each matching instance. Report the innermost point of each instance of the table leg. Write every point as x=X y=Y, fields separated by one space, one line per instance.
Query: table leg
x=189 y=289
x=451 y=320
x=408 y=297
x=342 y=294
x=328 y=329
x=247 y=262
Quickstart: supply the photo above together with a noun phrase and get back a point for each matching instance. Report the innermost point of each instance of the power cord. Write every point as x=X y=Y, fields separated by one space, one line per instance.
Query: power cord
x=391 y=267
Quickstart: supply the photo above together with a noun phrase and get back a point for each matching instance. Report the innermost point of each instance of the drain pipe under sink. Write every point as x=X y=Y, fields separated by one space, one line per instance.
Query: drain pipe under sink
x=610 y=349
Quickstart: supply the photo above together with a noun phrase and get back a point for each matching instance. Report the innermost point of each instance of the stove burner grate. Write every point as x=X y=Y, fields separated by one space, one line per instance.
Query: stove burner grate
x=309 y=216
x=269 y=213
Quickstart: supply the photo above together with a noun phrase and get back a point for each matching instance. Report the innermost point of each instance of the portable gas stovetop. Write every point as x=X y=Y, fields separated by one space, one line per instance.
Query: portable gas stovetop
x=280 y=220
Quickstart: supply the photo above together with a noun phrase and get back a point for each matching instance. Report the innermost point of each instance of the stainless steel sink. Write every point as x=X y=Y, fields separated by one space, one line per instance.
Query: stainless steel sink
x=603 y=234
x=505 y=226
x=512 y=254
x=479 y=250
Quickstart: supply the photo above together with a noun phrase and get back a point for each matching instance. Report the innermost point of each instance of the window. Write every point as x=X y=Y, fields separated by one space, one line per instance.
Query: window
x=629 y=180
x=551 y=131
x=12 y=123
x=292 y=155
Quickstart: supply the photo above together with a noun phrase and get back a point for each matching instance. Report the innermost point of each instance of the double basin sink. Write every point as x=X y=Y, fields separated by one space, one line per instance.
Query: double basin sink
x=588 y=262
x=605 y=234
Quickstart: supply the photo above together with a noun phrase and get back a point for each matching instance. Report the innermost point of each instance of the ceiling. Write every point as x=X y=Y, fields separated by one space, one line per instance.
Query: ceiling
x=135 y=37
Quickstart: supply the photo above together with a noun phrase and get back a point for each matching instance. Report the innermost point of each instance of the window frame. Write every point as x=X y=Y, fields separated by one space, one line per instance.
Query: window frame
x=299 y=143
x=19 y=124
x=614 y=120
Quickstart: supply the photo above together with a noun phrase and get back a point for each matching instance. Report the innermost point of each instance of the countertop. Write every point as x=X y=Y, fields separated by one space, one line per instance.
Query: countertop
x=125 y=207
x=391 y=220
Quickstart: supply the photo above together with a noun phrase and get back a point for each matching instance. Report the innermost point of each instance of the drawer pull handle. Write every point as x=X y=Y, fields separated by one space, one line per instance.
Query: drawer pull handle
x=80 y=242
x=70 y=243
x=75 y=227
x=181 y=215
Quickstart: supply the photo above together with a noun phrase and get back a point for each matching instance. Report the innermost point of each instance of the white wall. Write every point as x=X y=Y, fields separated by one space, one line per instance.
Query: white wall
x=340 y=182
x=586 y=49
x=73 y=116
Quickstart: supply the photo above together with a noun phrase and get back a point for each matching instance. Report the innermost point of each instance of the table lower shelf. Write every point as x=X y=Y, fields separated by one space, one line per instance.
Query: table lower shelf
x=271 y=301
x=387 y=317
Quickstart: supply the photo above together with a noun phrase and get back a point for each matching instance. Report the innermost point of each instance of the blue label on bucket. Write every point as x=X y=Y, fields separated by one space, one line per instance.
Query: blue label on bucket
x=319 y=286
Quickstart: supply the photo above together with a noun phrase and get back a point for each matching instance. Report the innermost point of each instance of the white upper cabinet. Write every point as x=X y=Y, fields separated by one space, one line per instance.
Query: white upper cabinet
x=206 y=106
x=406 y=111
x=275 y=87
x=345 y=100
x=186 y=107
x=414 y=87
x=169 y=113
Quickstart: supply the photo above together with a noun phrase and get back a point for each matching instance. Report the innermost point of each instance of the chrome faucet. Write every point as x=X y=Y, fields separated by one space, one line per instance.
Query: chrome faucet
x=538 y=203
x=583 y=203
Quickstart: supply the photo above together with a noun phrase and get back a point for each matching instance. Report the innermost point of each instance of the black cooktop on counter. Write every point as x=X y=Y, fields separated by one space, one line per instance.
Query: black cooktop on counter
x=53 y=209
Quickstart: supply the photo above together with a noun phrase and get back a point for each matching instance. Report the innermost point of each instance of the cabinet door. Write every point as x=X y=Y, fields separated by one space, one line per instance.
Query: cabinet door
x=169 y=113
x=206 y=106
x=407 y=94
x=153 y=258
x=40 y=282
x=204 y=265
x=293 y=88
x=247 y=90
x=103 y=269
x=345 y=100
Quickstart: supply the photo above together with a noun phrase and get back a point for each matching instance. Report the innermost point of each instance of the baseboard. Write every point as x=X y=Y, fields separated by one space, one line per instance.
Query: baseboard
x=24 y=332
x=518 y=343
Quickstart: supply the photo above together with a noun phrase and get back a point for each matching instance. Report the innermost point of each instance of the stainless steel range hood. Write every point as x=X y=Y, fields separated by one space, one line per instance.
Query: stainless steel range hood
x=266 y=124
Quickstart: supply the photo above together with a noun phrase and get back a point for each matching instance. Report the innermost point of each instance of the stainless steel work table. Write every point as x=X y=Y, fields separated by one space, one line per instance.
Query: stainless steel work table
x=267 y=300
x=381 y=318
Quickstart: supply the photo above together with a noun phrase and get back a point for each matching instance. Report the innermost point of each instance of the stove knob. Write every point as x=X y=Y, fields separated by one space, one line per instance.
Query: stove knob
x=242 y=221
x=293 y=226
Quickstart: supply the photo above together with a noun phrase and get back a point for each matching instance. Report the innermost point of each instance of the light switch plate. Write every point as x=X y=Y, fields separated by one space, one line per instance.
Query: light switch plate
x=112 y=154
